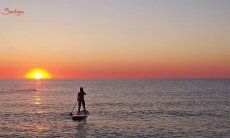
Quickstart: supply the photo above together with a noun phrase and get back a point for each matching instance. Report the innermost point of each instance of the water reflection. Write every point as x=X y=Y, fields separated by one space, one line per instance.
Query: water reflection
x=81 y=129
x=37 y=99
x=39 y=127
x=40 y=130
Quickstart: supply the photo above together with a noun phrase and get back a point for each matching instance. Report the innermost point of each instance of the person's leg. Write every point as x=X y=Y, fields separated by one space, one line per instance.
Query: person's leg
x=79 y=107
x=83 y=103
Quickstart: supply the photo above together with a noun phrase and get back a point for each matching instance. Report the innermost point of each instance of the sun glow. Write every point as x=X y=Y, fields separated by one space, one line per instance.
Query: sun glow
x=38 y=74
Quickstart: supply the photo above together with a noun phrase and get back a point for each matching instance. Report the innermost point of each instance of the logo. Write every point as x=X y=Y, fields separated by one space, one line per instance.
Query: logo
x=16 y=12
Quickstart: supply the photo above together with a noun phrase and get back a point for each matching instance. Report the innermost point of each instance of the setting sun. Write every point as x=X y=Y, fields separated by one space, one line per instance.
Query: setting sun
x=38 y=74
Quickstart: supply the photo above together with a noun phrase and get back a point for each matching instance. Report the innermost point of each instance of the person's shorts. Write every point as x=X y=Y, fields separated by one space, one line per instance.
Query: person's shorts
x=81 y=102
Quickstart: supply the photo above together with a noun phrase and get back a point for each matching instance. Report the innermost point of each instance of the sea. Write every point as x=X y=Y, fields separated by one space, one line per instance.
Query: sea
x=117 y=108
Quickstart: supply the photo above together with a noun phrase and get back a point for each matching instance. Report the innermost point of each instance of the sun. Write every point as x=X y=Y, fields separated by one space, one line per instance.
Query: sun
x=38 y=73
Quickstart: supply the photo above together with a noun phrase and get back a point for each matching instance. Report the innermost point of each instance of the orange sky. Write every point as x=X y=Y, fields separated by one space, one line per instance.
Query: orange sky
x=116 y=39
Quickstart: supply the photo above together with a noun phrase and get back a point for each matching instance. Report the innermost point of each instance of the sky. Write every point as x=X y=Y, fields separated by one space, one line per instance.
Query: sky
x=116 y=38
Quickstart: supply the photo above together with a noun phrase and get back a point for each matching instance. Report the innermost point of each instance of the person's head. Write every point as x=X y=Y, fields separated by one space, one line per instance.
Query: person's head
x=81 y=89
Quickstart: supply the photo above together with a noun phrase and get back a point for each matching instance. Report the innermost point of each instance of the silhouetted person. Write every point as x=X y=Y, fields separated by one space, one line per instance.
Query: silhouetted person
x=81 y=100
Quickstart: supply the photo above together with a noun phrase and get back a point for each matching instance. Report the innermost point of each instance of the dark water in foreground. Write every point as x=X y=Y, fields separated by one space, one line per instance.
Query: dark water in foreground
x=118 y=108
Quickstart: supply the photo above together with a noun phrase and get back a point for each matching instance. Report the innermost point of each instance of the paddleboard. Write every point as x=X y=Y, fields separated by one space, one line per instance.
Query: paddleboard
x=81 y=115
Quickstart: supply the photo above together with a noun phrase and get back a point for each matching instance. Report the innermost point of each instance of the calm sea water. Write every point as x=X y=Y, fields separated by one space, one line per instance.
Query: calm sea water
x=118 y=108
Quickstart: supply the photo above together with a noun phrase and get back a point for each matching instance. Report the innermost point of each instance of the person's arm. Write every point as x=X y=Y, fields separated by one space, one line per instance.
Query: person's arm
x=78 y=97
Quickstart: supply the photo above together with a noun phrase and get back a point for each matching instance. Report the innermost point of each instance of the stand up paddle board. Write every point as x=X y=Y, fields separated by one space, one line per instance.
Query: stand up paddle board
x=80 y=116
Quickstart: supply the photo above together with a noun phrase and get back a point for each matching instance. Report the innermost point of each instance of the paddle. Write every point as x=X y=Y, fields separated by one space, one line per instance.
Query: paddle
x=72 y=110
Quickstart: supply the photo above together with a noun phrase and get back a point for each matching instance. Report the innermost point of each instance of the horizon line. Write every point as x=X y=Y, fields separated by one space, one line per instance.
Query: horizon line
x=139 y=78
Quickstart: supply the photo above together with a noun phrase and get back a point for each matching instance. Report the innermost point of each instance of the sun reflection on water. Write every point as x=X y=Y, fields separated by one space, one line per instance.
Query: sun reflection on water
x=37 y=99
x=39 y=127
